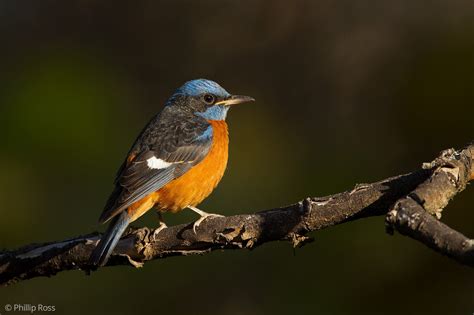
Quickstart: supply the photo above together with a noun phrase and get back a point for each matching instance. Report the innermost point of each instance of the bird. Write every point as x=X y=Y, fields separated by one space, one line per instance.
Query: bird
x=175 y=162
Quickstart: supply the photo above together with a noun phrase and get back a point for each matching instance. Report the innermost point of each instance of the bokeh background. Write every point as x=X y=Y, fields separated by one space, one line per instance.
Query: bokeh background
x=347 y=92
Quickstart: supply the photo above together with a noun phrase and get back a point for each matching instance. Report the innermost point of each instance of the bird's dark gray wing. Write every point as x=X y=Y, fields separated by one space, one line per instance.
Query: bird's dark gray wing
x=160 y=155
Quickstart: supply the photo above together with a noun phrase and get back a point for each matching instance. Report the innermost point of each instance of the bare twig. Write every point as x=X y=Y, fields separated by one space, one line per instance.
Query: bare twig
x=408 y=201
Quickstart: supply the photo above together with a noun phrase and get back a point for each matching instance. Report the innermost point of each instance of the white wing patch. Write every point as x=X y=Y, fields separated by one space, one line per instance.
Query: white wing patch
x=157 y=164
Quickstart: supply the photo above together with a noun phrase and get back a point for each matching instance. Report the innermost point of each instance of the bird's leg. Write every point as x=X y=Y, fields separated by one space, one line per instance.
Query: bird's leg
x=161 y=227
x=204 y=216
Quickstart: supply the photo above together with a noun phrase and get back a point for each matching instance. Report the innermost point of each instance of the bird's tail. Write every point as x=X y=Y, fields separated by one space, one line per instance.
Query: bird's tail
x=109 y=240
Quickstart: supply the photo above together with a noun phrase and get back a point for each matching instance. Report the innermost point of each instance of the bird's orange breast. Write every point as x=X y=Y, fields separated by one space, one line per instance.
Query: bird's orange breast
x=196 y=184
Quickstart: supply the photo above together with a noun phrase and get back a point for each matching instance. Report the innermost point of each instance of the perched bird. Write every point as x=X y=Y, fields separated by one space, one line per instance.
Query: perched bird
x=175 y=163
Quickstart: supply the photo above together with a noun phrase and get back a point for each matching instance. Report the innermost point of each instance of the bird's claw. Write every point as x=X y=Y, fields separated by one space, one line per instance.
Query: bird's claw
x=158 y=230
x=204 y=217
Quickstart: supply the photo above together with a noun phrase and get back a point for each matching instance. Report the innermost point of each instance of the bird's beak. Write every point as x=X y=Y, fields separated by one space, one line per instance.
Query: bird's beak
x=236 y=99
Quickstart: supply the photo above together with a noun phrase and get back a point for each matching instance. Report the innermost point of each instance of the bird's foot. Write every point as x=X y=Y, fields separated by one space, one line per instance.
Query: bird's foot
x=158 y=230
x=204 y=216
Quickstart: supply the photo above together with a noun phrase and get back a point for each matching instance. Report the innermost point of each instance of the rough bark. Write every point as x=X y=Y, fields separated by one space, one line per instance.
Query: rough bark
x=412 y=204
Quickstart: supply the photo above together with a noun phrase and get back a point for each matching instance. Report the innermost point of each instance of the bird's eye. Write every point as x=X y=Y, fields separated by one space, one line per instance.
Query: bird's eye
x=209 y=98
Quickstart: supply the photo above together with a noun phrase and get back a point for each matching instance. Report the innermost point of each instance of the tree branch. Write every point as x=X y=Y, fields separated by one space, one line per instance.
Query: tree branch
x=415 y=215
x=409 y=202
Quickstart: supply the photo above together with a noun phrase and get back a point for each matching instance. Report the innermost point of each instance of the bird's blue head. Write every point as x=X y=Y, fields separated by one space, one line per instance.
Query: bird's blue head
x=206 y=98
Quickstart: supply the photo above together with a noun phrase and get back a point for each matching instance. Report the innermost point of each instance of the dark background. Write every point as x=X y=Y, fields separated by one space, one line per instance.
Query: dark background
x=347 y=92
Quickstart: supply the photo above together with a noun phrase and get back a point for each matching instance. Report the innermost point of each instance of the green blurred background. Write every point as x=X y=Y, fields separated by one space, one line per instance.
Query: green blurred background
x=347 y=92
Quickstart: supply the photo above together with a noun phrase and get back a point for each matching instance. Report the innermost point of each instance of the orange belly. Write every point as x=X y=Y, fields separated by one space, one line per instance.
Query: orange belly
x=196 y=184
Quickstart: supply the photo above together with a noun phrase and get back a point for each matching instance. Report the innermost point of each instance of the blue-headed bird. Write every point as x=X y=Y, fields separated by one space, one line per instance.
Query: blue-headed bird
x=175 y=163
